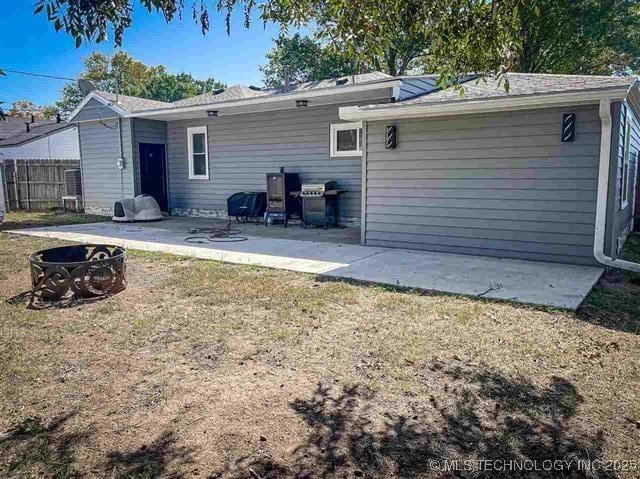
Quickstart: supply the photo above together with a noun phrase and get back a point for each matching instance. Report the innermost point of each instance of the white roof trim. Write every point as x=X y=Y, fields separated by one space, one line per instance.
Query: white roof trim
x=380 y=84
x=95 y=96
x=485 y=105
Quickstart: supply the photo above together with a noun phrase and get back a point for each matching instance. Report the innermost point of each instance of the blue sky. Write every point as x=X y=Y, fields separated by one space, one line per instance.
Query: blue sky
x=29 y=43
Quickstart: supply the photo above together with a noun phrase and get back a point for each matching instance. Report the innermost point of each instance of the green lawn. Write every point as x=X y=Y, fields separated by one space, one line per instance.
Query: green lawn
x=204 y=369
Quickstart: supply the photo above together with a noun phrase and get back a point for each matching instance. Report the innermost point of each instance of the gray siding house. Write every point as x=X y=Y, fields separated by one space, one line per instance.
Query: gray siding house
x=544 y=172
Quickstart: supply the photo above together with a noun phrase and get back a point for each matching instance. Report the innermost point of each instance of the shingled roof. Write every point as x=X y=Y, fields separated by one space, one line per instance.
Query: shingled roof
x=520 y=84
x=13 y=132
x=134 y=104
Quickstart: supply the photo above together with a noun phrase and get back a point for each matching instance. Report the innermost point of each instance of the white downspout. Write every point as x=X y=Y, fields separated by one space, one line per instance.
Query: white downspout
x=603 y=191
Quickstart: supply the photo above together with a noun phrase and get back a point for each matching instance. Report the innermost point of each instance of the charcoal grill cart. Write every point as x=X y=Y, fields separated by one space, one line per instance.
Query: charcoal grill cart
x=319 y=204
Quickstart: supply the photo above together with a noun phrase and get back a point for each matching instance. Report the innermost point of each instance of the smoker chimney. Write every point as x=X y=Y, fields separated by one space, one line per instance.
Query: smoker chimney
x=33 y=118
x=28 y=128
x=58 y=119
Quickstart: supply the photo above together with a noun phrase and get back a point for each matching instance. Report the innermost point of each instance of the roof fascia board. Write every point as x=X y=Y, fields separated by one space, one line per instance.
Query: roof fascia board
x=271 y=99
x=95 y=96
x=483 y=106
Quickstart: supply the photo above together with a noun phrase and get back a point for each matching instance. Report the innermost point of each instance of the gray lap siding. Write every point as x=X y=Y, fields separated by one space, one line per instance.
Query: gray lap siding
x=243 y=148
x=103 y=182
x=499 y=184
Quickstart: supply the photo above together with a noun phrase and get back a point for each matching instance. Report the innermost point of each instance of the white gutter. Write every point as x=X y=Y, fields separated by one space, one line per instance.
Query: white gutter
x=603 y=191
x=487 y=105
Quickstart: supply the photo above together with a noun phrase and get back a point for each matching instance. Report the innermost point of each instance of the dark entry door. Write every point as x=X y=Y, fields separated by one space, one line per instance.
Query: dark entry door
x=153 y=173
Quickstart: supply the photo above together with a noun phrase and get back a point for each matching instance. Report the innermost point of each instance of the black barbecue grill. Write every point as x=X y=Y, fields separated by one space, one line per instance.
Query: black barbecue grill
x=319 y=204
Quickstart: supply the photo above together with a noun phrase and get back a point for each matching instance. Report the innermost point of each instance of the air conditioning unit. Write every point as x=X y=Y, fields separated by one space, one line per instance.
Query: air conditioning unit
x=73 y=182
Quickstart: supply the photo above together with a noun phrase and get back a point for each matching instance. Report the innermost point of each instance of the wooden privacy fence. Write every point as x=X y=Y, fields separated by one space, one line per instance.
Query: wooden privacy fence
x=35 y=184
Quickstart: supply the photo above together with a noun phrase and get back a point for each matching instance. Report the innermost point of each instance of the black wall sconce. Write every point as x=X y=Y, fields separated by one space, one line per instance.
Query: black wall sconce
x=302 y=103
x=568 y=127
x=391 y=137
x=212 y=113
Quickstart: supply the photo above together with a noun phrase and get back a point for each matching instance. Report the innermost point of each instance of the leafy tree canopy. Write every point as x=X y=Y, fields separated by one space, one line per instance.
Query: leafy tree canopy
x=26 y=108
x=579 y=36
x=305 y=60
x=131 y=77
x=464 y=35
x=449 y=37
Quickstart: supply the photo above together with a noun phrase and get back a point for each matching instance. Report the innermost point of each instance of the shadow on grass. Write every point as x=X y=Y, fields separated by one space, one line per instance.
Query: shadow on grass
x=157 y=459
x=479 y=415
x=38 y=448
x=35 y=303
x=35 y=448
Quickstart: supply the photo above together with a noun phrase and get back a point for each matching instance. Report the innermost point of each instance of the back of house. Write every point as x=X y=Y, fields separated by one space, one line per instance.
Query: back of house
x=545 y=171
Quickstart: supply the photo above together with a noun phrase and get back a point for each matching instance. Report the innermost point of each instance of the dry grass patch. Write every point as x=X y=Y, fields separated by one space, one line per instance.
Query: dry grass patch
x=203 y=369
x=28 y=219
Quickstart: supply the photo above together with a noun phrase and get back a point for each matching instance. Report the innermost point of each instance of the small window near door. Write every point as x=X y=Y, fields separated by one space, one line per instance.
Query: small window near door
x=198 y=155
x=346 y=139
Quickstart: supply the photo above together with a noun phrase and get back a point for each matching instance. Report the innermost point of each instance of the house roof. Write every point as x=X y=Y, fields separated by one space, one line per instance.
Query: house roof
x=519 y=84
x=523 y=87
x=130 y=104
x=241 y=92
x=13 y=132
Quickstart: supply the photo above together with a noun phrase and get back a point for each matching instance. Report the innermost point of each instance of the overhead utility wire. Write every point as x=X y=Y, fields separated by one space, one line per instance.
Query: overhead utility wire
x=37 y=74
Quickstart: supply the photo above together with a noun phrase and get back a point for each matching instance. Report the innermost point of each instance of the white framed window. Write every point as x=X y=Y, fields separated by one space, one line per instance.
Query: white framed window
x=626 y=157
x=198 y=153
x=346 y=139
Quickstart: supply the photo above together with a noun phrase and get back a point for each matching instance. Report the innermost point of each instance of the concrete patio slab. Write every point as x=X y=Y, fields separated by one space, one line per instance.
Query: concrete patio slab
x=551 y=284
x=294 y=255
x=557 y=285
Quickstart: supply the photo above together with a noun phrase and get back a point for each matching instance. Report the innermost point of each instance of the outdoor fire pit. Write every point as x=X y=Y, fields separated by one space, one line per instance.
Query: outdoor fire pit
x=78 y=271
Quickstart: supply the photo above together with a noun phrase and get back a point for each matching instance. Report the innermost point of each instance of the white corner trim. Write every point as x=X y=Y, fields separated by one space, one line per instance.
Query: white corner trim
x=603 y=190
x=95 y=96
x=480 y=106
x=190 y=132
x=334 y=128
x=363 y=186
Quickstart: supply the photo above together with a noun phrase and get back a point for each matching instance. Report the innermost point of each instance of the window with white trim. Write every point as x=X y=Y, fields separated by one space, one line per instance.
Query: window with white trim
x=624 y=187
x=346 y=139
x=198 y=153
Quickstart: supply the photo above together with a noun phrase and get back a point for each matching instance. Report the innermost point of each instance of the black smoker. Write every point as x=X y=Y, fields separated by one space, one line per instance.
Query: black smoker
x=320 y=204
x=280 y=204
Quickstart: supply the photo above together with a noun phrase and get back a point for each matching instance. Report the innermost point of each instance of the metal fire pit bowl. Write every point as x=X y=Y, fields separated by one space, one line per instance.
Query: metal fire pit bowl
x=78 y=271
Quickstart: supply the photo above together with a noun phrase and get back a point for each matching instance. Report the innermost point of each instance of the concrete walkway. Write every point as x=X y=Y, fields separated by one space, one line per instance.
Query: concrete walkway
x=563 y=286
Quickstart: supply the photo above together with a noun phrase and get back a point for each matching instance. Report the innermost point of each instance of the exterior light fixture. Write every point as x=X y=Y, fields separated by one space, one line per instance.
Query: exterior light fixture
x=568 y=127
x=391 y=137
x=212 y=112
x=302 y=103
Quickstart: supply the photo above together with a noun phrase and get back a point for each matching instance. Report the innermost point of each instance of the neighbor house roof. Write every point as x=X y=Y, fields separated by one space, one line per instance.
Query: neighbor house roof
x=13 y=132
x=523 y=87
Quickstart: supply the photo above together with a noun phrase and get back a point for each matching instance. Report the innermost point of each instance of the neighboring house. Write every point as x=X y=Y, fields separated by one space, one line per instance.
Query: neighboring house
x=544 y=172
x=45 y=140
